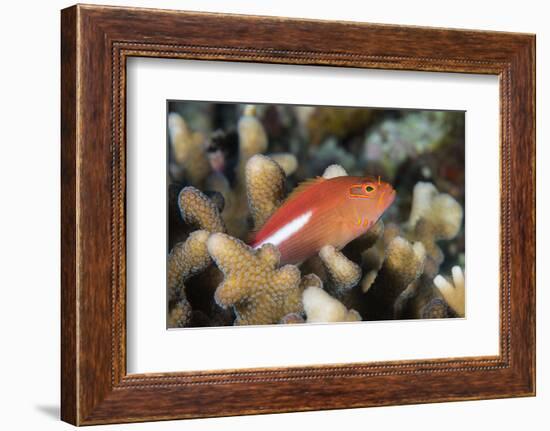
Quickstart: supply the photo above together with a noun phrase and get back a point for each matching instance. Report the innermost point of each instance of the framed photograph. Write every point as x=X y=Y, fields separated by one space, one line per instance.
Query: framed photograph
x=323 y=214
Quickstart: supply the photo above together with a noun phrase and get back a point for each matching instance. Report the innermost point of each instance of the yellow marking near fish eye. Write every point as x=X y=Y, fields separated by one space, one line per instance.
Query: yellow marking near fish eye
x=366 y=188
x=369 y=188
x=380 y=199
x=354 y=194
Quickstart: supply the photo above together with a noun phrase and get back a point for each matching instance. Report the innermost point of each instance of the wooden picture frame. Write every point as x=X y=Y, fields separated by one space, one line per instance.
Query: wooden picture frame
x=96 y=41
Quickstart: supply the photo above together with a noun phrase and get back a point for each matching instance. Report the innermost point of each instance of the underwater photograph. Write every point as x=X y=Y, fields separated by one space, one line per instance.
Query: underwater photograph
x=287 y=214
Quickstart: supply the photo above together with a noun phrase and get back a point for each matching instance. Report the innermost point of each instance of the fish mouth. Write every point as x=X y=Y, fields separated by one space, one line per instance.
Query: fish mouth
x=390 y=198
x=393 y=194
x=386 y=199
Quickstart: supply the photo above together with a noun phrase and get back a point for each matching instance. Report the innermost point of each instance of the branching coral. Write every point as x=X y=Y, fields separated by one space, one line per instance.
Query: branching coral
x=421 y=300
x=434 y=216
x=191 y=256
x=388 y=272
x=265 y=186
x=198 y=210
x=342 y=272
x=334 y=171
x=186 y=259
x=310 y=280
x=188 y=149
x=252 y=136
x=259 y=291
x=252 y=140
x=180 y=314
x=320 y=307
x=453 y=292
x=371 y=248
x=403 y=264
x=286 y=161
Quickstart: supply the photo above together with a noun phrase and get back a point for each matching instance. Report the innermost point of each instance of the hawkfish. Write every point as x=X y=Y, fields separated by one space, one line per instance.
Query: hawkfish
x=323 y=212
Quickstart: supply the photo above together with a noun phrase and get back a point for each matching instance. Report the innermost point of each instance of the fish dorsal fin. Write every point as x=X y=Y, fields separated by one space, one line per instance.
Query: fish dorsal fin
x=302 y=187
x=299 y=189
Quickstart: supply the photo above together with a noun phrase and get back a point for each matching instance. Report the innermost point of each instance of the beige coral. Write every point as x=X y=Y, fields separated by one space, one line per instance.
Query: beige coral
x=334 y=171
x=259 y=291
x=198 y=210
x=252 y=136
x=185 y=260
x=252 y=140
x=320 y=307
x=404 y=261
x=287 y=162
x=373 y=254
x=265 y=187
x=440 y=210
x=403 y=264
x=453 y=293
x=434 y=216
x=180 y=314
x=188 y=149
x=310 y=280
x=343 y=273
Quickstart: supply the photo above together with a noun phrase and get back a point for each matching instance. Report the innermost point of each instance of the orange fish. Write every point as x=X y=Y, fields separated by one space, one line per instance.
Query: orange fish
x=323 y=212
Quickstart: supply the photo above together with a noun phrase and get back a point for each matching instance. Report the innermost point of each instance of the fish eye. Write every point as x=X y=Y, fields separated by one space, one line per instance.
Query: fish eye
x=369 y=188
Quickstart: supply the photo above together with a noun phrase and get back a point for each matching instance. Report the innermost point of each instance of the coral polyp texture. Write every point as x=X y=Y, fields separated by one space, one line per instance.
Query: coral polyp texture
x=265 y=186
x=185 y=260
x=377 y=244
x=259 y=291
x=199 y=210
x=342 y=272
x=434 y=217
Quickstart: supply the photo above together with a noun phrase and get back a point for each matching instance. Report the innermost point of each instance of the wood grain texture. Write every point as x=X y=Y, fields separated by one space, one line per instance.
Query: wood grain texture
x=68 y=217
x=96 y=41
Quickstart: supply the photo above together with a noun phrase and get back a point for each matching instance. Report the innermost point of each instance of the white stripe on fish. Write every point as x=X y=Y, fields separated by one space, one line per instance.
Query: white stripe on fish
x=289 y=229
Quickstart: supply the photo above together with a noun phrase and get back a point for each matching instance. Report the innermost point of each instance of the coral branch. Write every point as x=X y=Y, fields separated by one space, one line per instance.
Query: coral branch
x=265 y=185
x=403 y=264
x=186 y=259
x=260 y=292
x=180 y=314
x=334 y=171
x=453 y=292
x=434 y=216
x=320 y=307
x=198 y=210
x=287 y=162
x=343 y=273
x=188 y=149
x=252 y=136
